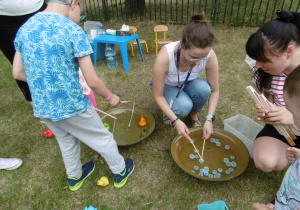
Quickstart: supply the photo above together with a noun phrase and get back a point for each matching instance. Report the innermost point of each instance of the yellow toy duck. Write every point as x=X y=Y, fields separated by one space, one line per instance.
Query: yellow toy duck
x=103 y=181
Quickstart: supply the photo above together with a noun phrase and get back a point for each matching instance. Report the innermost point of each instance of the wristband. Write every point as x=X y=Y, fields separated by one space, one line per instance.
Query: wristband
x=212 y=117
x=109 y=97
x=175 y=120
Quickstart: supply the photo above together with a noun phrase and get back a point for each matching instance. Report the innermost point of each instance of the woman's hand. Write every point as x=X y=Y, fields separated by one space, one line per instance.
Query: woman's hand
x=279 y=116
x=114 y=101
x=274 y=115
x=182 y=129
x=260 y=112
x=207 y=129
x=292 y=153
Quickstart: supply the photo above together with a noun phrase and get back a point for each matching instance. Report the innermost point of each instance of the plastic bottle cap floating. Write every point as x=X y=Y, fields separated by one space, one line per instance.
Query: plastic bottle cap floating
x=103 y=181
x=90 y=208
x=142 y=121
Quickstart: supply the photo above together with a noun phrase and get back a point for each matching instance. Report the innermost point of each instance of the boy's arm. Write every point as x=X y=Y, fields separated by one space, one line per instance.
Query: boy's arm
x=18 y=68
x=94 y=82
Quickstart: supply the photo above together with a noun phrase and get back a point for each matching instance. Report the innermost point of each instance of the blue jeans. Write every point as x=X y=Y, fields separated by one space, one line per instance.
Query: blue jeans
x=193 y=97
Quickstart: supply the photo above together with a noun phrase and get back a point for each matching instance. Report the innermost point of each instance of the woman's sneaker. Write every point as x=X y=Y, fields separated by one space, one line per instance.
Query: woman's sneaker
x=121 y=178
x=10 y=163
x=76 y=183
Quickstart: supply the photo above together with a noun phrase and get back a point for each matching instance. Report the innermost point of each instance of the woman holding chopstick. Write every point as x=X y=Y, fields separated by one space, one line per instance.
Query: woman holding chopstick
x=276 y=49
x=177 y=86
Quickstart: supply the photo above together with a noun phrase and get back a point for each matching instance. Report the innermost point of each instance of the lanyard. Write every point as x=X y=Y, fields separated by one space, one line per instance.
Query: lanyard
x=187 y=76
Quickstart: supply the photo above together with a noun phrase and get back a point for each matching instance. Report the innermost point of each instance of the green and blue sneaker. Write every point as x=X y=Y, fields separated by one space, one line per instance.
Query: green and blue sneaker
x=76 y=183
x=121 y=178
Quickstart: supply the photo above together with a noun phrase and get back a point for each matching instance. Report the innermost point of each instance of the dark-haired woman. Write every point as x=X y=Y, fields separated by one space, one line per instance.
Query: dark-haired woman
x=177 y=86
x=276 y=49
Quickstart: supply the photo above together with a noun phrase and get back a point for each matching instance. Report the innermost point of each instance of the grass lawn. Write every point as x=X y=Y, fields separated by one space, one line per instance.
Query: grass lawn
x=157 y=182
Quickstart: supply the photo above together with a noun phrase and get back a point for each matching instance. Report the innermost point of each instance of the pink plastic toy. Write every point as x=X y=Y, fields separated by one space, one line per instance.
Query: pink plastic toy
x=48 y=133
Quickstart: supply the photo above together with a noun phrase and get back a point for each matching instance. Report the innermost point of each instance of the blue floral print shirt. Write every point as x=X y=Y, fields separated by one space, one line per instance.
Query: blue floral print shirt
x=50 y=45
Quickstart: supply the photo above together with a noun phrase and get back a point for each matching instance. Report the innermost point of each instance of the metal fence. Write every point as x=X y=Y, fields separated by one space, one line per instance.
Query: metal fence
x=226 y=12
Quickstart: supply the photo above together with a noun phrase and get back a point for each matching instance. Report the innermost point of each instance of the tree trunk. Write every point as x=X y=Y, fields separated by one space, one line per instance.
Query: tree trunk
x=135 y=7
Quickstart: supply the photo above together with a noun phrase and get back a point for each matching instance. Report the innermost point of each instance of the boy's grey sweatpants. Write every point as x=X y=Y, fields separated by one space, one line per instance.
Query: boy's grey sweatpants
x=88 y=128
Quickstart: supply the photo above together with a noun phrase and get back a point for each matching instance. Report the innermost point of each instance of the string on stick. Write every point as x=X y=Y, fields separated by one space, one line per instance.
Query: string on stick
x=114 y=125
x=131 y=116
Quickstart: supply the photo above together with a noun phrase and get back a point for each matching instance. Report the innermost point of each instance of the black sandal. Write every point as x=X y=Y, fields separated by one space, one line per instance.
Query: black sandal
x=164 y=119
x=194 y=121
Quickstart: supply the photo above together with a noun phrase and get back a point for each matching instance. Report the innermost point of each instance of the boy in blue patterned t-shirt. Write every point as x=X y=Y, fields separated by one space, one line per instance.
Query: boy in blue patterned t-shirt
x=50 y=47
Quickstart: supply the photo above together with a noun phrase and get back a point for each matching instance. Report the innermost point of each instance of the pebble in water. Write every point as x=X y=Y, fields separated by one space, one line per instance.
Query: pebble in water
x=233 y=164
x=220 y=169
x=218 y=144
x=227 y=147
x=231 y=169
x=210 y=176
x=192 y=141
x=212 y=140
x=214 y=172
x=196 y=156
x=227 y=172
x=196 y=167
x=205 y=173
x=226 y=160
x=192 y=156
x=232 y=157
x=206 y=168
x=201 y=160
x=193 y=171
x=228 y=164
x=196 y=150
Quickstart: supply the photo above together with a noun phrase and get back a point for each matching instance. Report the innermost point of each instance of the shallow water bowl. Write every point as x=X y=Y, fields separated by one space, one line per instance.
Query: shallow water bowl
x=229 y=147
x=136 y=133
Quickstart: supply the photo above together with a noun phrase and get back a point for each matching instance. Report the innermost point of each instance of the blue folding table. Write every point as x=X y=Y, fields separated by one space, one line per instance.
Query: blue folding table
x=120 y=40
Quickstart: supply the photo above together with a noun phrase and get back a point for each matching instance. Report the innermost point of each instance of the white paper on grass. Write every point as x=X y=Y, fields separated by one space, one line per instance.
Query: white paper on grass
x=250 y=61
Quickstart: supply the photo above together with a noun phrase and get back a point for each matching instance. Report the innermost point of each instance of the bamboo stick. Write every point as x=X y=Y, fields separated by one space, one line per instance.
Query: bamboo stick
x=106 y=113
x=121 y=102
x=195 y=149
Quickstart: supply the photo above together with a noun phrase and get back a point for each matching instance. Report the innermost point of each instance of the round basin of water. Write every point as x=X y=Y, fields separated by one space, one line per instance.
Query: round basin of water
x=133 y=134
x=224 y=156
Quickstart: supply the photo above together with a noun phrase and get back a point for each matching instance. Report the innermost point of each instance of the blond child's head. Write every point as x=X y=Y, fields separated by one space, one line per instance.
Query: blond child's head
x=72 y=9
x=291 y=94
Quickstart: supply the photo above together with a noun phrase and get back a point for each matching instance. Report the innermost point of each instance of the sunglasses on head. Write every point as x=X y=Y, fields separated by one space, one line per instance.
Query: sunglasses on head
x=196 y=59
x=82 y=17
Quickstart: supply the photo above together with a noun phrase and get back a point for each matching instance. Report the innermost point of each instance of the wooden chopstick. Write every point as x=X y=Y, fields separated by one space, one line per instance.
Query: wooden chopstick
x=105 y=113
x=196 y=150
x=121 y=102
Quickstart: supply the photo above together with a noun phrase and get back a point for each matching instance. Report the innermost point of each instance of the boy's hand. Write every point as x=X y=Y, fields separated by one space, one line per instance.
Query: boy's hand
x=114 y=101
x=292 y=153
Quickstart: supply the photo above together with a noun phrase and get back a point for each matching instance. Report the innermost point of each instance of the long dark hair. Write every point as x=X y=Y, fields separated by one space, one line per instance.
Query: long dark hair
x=274 y=37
